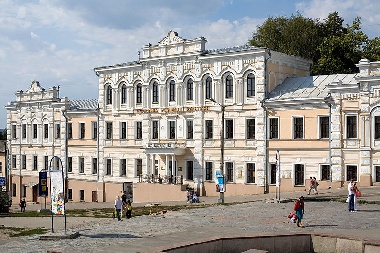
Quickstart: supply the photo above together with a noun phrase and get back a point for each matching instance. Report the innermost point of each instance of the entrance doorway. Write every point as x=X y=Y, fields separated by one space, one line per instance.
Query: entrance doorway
x=35 y=193
x=128 y=188
x=94 y=196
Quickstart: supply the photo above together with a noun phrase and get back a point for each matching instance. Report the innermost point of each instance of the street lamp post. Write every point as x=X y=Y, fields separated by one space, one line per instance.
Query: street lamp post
x=221 y=193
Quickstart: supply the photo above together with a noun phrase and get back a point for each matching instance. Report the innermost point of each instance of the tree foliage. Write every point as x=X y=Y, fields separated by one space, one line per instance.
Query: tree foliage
x=333 y=47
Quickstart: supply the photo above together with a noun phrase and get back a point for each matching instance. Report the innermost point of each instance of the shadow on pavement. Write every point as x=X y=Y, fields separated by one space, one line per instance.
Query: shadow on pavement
x=111 y=236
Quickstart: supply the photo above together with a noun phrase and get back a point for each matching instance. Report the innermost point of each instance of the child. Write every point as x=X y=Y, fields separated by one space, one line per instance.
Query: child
x=293 y=217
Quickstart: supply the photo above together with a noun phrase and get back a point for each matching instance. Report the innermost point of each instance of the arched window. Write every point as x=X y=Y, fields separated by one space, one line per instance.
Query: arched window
x=189 y=89
x=109 y=95
x=208 y=91
x=250 y=85
x=138 y=93
x=155 y=92
x=229 y=87
x=171 y=91
x=124 y=94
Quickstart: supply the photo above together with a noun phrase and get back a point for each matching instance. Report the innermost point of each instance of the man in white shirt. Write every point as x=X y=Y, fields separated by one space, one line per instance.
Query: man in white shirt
x=351 y=195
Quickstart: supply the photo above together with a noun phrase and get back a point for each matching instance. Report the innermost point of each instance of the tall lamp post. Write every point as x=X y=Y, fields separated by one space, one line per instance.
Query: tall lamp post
x=221 y=192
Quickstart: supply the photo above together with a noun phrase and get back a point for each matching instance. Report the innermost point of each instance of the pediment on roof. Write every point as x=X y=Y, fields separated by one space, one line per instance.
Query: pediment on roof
x=172 y=38
x=35 y=87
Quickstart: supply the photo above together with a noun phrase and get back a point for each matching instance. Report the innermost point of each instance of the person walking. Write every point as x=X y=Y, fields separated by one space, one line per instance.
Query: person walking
x=299 y=208
x=315 y=185
x=23 y=205
x=356 y=191
x=118 y=206
x=351 y=196
x=311 y=185
x=124 y=200
x=129 y=209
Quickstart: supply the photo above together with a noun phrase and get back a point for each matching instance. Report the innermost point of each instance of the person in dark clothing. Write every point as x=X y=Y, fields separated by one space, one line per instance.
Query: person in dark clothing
x=23 y=205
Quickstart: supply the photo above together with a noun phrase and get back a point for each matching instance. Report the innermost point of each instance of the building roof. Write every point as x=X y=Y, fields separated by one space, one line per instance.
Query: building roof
x=309 y=86
x=84 y=104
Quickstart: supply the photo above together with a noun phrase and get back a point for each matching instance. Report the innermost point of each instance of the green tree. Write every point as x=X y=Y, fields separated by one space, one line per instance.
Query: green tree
x=333 y=47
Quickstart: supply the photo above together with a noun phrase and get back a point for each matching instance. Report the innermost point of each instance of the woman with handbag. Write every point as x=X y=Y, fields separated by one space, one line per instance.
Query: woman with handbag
x=356 y=196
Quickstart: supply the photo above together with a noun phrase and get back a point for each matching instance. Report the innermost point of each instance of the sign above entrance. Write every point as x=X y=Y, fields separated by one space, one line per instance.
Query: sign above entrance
x=173 y=109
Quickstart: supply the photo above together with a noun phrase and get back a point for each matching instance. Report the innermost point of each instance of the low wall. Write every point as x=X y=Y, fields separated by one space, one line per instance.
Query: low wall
x=144 y=192
x=295 y=243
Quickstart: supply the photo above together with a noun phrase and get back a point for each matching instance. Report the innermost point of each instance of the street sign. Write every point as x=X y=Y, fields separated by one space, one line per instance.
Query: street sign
x=43 y=190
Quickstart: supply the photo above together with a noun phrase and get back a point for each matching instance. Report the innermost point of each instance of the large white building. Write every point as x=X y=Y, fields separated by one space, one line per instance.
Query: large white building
x=156 y=125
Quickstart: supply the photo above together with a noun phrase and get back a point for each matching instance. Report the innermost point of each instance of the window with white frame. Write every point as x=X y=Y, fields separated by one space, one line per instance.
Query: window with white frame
x=377 y=127
x=155 y=129
x=172 y=91
x=299 y=174
x=46 y=162
x=139 y=93
x=352 y=172
x=35 y=162
x=208 y=88
x=172 y=129
x=351 y=127
x=94 y=127
x=14 y=159
x=35 y=131
x=124 y=94
x=69 y=130
x=273 y=128
x=250 y=85
x=189 y=170
x=123 y=130
x=250 y=128
x=229 y=87
x=14 y=131
x=189 y=128
x=23 y=162
x=81 y=165
x=324 y=127
x=230 y=171
x=82 y=130
x=69 y=164
x=138 y=167
x=325 y=172
x=298 y=128
x=251 y=173
x=155 y=92
x=109 y=95
x=189 y=89
x=138 y=130
x=123 y=167
x=46 y=131
x=208 y=170
x=94 y=165
x=108 y=130
x=23 y=130
x=108 y=166
x=58 y=131
x=229 y=129
x=208 y=129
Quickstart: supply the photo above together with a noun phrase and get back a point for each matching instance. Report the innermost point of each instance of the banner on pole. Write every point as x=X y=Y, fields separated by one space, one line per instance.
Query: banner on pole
x=220 y=182
x=56 y=192
x=42 y=185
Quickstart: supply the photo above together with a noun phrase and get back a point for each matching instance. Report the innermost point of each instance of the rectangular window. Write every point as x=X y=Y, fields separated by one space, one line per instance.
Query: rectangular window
x=1 y=167
x=377 y=173
x=155 y=92
x=208 y=170
x=189 y=170
x=57 y=131
x=298 y=128
x=190 y=131
x=273 y=128
x=229 y=129
x=123 y=167
x=299 y=174
x=23 y=162
x=352 y=172
x=251 y=129
x=351 y=127
x=23 y=129
x=81 y=164
x=14 y=161
x=35 y=162
x=94 y=127
x=325 y=172
x=251 y=175
x=139 y=94
x=23 y=194
x=155 y=129
x=208 y=129
x=172 y=129
x=82 y=129
x=324 y=127
x=70 y=194
x=230 y=172
x=46 y=131
x=81 y=195
x=123 y=130
x=94 y=165
x=14 y=131
x=35 y=130
x=138 y=130
x=108 y=167
x=69 y=164
x=138 y=167
x=377 y=127
x=109 y=130
x=69 y=130
x=46 y=163
x=172 y=91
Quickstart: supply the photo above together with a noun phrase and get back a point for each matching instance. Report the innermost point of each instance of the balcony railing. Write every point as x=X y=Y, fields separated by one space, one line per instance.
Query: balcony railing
x=158 y=179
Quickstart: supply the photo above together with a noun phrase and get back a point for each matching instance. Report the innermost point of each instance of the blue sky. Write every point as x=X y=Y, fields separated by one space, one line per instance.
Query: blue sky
x=60 y=42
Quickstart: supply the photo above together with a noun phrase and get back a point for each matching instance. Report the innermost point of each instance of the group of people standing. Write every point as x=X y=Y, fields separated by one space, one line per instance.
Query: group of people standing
x=122 y=205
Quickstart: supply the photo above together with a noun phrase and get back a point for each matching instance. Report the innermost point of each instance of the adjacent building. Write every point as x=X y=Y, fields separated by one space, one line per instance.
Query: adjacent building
x=182 y=113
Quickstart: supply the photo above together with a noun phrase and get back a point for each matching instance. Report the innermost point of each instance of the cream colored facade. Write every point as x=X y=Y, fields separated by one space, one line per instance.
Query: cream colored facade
x=156 y=126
